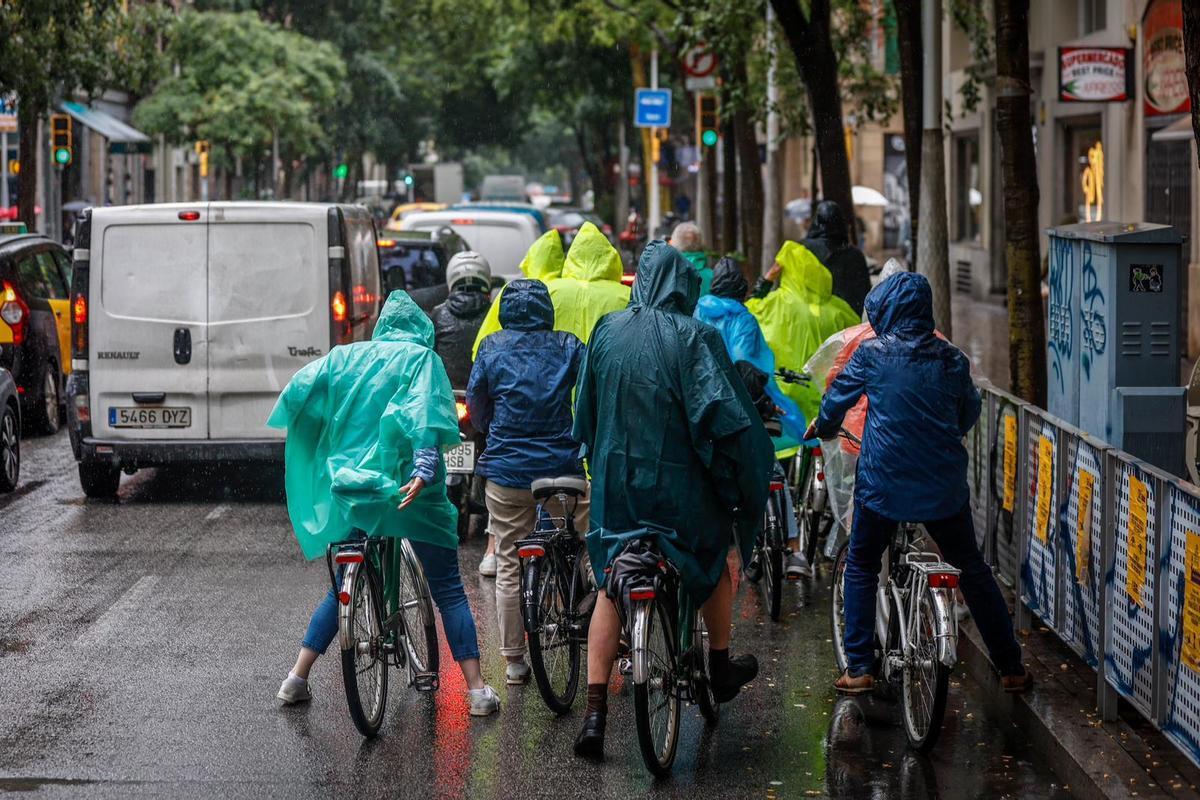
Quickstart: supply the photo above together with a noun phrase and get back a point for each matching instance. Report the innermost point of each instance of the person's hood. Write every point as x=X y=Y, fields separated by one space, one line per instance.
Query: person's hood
x=545 y=257
x=829 y=224
x=467 y=303
x=728 y=280
x=712 y=308
x=901 y=304
x=592 y=257
x=665 y=280
x=402 y=320
x=525 y=306
x=803 y=273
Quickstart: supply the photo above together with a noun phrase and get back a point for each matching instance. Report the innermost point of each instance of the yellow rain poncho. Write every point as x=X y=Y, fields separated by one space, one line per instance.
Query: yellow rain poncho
x=798 y=316
x=590 y=285
x=543 y=262
x=354 y=418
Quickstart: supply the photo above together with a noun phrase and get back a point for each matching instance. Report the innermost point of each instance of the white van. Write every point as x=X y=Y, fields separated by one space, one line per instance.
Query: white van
x=502 y=237
x=189 y=319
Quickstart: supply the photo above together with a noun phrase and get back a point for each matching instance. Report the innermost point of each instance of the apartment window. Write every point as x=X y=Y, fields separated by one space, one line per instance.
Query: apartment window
x=1091 y=16
x=968 y=196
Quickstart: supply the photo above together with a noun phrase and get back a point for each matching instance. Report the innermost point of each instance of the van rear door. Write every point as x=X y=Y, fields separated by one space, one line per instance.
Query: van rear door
x=268 y=309
x=148 y=343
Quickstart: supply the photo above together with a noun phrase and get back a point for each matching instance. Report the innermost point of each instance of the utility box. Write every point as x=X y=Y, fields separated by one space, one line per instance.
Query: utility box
x=1112 y=336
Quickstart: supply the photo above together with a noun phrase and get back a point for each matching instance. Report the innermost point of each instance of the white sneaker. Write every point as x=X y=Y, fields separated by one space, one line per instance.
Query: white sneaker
x=293 y=690
x=487 y=567
x=483 y=701
x=517 y=673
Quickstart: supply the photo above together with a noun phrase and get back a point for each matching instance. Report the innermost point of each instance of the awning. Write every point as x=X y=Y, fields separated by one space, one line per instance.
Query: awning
x=121 y=137
x=1177 y=131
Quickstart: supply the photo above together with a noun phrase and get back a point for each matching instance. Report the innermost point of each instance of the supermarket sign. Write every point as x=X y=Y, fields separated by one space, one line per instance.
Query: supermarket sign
x=1095 y=74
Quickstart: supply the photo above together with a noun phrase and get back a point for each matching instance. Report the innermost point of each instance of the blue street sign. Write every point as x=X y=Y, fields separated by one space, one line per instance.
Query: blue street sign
x=652 y=108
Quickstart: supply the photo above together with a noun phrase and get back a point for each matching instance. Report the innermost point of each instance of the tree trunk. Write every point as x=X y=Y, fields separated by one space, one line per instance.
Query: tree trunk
x=709 y=175
x=809 y=39
x=751 y=205
x=908 y=19
x=1191 y=57
x=729 y=198
x=1026 y=329
x=27 y=179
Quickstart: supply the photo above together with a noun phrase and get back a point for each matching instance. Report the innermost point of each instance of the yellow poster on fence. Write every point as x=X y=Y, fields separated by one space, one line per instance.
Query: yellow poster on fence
x=1010 y=462
x=1190 y=652
x=1083 y=530
x=1045 y=488
x=1139 y=511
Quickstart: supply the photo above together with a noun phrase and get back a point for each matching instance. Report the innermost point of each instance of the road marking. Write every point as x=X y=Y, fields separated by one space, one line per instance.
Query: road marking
x=108 y=624
x=217 y=512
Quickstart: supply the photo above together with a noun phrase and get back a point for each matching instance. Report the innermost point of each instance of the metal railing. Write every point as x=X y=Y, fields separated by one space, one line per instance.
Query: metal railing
x=1103 y=548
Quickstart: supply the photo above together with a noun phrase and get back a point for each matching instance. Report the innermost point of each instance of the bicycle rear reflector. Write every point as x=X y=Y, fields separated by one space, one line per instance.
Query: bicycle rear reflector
x=642 y=593
x=344 y=598
x=348 y=557
x=531 y=551
x=943 y=580
x=776 y=486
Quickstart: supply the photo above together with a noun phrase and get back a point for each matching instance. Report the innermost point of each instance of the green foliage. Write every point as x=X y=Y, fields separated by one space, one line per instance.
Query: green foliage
x=241 y=81
x=971 y=18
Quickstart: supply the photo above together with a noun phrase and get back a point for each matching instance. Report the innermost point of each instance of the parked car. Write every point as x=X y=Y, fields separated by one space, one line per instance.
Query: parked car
x=518 y=208
x=35 y=326
x=188 y=319
x=10 y=433
x=503 y=237
x=416 y=262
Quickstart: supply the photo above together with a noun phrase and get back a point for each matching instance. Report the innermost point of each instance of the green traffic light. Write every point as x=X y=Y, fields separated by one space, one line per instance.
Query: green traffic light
x=341 y=171
x=709 y=137
x=62 y=155
x=408 y=180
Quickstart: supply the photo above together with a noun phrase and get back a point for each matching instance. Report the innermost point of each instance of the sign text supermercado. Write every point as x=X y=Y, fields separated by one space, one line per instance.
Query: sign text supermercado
x=1095 y=74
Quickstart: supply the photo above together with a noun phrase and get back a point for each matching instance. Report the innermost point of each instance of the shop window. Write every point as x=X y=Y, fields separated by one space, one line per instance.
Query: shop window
x=1083 y=189
x=968 y=195
x=1091 y=16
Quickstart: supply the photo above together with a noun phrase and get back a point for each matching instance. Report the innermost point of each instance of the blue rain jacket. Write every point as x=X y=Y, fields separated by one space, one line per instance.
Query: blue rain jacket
x=744 y=341
x=520 y=391
x=922 y=401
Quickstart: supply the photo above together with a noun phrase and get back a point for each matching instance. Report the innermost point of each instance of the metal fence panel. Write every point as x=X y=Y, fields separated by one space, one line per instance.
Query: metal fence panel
x=1181 y=624
x=1039 y=564
x=1082 y=535
x=1001 y=522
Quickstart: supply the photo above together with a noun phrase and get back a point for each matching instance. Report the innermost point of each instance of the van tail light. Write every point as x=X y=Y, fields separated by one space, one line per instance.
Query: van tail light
x=79 y=327
x=189 y=216
x=642 y=593
x=531 y=551
x=943 y=580
x=83 y=409
x=464 y=414
x=14 y=311
x=348 y=557
x=79 y=309
x=338 y=306
x=385 y=242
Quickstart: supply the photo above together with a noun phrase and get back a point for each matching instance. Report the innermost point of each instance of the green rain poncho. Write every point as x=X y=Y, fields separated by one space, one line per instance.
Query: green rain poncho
x=590 y=285
x=699 y=260
x=354 y=418
x=799 y=316
x=674 y=441
x=543 y=262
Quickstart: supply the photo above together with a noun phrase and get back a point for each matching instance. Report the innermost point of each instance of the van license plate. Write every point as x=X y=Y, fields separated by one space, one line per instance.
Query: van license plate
x=138 y=417
x=461 y=460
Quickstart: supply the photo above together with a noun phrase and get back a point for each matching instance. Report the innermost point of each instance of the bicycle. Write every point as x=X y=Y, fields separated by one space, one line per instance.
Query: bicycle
x=916 y=630
x=668 y=650
x=385 y=613
x=553 y=591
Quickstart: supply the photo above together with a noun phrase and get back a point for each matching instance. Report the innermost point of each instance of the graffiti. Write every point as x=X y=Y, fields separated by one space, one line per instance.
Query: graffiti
x=1091 y=315
x=1059 y=321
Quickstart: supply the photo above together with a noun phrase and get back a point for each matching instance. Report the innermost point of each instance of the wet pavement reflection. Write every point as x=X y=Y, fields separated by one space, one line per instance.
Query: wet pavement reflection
x=141 y=645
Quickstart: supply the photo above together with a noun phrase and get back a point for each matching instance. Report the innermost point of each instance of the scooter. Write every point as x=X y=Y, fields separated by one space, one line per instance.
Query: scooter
x=463 y=487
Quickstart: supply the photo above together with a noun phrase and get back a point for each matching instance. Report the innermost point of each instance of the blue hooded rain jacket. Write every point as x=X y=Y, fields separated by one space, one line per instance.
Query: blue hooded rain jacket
x=913 y=466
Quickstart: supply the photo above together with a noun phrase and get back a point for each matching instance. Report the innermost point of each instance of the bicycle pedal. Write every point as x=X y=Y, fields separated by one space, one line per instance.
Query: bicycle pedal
x=425 y=681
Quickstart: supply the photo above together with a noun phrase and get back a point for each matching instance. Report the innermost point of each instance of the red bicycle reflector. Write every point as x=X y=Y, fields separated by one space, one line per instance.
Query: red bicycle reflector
x=344 y=598
x=943 y=580
x=348 y=558
x=189 y=216
x=776 y=486
x=531 y=551
x=642 y=593
x=821 y=477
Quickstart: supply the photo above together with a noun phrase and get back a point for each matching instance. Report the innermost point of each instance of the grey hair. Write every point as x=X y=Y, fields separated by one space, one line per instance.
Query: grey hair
x=686 y=237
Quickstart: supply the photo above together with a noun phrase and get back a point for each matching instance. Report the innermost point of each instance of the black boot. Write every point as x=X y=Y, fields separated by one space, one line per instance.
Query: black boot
x=590 y=741
x=735 y=674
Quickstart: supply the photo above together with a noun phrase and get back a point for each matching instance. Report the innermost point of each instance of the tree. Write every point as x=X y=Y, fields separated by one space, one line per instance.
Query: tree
x=1014 y=127
x=1191 y=53
x=908 y=23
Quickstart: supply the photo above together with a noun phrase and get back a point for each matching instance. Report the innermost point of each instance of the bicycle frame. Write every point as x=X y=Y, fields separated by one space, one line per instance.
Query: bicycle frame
x=901 y=596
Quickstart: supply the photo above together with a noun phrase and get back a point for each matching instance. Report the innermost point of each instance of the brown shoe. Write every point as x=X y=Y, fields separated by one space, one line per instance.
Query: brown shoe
x=1016 y=684
x=846 y=684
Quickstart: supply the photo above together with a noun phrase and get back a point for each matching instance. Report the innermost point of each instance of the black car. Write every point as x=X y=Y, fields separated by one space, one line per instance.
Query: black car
x=10 y=433
x=416 y=262
x=35 y=324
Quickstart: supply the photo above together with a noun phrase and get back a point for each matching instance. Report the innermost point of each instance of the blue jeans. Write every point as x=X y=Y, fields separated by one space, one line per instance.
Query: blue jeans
x=955 y=537
x=440 y=565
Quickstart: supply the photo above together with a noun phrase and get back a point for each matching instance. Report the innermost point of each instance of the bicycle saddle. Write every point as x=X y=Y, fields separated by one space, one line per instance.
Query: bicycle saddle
x=570 y=485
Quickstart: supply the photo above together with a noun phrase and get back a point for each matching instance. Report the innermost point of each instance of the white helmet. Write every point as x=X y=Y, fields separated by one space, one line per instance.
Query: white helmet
x=468 y=265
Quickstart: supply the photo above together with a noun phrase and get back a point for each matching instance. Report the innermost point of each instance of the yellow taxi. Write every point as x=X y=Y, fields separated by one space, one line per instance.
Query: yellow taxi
x=404 y=209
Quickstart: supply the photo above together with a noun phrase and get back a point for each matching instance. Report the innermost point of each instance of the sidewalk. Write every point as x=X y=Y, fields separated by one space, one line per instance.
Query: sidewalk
x=980 y=330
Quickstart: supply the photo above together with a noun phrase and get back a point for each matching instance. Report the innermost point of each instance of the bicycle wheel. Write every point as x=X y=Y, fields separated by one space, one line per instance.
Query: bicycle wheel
x=655 y=701
x=364 y=662
x=554 y=650
x=773 y=575
x=837 y=607
x=925 y=681
x=710 y=709
x=416 y=613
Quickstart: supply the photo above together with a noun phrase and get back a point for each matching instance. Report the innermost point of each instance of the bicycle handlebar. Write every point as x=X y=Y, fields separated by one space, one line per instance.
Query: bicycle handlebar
x=791 y=376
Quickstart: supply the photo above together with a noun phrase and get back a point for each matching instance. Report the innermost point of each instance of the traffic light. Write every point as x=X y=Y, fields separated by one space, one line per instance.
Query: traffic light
x=202 y=151
x=707 y=120
x=60 y=139
x=341 y=171
x=408 y=180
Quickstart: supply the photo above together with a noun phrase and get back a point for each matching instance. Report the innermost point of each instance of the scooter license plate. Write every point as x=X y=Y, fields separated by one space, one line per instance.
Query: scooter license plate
x=461 y=459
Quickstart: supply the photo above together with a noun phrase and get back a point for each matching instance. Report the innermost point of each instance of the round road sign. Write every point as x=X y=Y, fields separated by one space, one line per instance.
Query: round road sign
x=699 y=62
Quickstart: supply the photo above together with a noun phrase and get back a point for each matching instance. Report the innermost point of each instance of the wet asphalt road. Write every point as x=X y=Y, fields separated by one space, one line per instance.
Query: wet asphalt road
x=141 y=645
